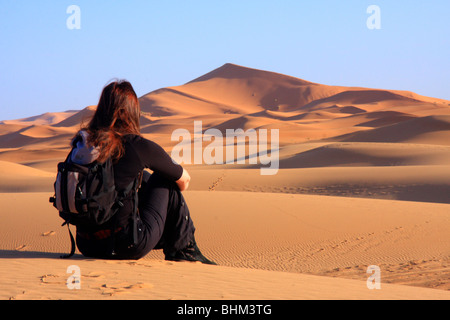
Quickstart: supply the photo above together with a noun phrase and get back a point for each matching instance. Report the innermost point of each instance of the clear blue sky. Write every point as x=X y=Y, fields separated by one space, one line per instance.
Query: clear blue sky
x=45 y=66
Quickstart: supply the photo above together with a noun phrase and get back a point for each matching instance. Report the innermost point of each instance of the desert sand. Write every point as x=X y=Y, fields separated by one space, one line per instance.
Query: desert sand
x=363 y=180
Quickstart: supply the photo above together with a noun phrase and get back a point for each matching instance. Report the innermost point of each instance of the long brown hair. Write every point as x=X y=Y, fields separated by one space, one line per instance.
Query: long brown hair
x=117 y=114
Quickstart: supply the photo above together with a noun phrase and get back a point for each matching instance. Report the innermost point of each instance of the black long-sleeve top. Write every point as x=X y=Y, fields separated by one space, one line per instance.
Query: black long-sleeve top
x=141 y=153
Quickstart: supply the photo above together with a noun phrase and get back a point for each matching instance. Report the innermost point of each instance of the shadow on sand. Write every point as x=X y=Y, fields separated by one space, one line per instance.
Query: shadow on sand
x=15 y=254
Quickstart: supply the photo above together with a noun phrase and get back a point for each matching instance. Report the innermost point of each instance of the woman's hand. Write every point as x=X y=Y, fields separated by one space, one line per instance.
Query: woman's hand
x=183 y=182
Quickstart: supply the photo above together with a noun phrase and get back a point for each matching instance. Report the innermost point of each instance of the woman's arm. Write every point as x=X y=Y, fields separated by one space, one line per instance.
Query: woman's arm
x=183 y=182
x=154 y=157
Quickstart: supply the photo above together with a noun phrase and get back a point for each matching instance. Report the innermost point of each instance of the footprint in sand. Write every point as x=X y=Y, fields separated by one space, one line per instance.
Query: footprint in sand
x=100 y=274
x=52 y=279
x=123 y=288
x=216 y=183
x=48 y=233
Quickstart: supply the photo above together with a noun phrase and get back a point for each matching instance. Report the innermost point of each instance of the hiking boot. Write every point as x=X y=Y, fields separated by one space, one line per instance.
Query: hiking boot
x=190 y=253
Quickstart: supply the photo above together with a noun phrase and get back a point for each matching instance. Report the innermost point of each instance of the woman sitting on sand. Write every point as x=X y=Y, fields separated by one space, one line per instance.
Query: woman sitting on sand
x=164 y=220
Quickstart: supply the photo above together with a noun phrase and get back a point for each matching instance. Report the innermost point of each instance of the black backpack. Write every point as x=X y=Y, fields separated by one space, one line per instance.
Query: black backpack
x=86 y=196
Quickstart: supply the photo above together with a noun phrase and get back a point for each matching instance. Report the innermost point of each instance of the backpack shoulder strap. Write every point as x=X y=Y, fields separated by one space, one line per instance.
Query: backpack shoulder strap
x=136 y=184
x=72 y=240
x=133 y=186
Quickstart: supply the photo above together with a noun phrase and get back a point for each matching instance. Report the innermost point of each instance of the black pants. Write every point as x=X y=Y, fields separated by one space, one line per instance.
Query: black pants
x=164 y=223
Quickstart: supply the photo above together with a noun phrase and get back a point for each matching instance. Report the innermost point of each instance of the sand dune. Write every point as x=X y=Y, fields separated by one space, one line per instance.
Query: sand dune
x=30 y=156
x=375 y=99
x=77 y=118
x=408 y=183
x=19 y=178
x=363 y=179
x=431 y=129
x=292 y=237
x=248 y=98
x=257 y=90
x=369 y=154
x=149 y=280
x=47 y=118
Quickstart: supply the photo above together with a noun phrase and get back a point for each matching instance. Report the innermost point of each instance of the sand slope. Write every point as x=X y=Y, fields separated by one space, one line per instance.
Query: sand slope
x=159 y=280
x=256 y=90
x=264 y=244
x=20 y=178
